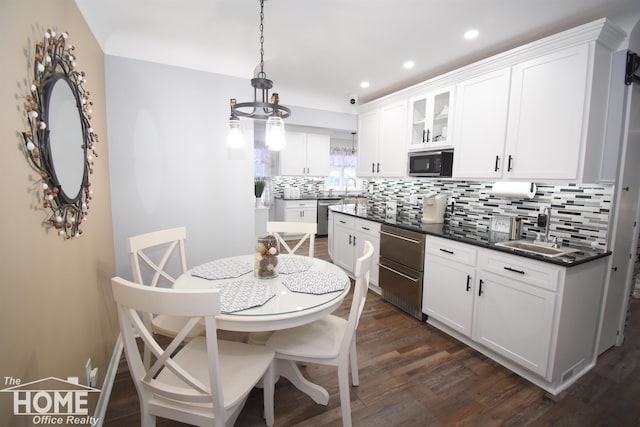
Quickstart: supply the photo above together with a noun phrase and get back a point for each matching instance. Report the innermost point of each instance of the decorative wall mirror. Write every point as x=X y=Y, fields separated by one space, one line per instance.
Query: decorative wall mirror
x=59 y=142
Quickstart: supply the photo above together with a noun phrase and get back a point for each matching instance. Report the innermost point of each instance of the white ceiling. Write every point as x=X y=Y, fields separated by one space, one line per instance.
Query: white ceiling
x=321 y=50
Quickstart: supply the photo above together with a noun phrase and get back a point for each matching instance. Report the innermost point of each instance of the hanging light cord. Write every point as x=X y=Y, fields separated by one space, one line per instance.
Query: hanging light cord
x=262 y=74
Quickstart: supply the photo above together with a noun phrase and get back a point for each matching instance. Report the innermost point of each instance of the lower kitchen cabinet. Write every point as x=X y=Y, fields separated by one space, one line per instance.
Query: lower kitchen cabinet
x=347 y=242
x=538 y=319
x=515 y=320
x=296 y=211
x=449 y=283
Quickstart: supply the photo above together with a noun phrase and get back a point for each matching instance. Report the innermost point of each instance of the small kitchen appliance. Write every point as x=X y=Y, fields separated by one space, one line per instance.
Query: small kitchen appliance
x=434 y=164
x=433 y=208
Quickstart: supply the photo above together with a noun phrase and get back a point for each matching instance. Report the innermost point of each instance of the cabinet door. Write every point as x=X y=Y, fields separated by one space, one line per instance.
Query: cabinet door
x=448 y=293
x=309 y=214
x=546 y=125
x=330 y=234
x=515 y=320
x=318 y=154
x=368 y=230
x=392 y=151
x=293 y=157
x=429 y=120
x=343 y=248
x=480 y=126
x=368 y=137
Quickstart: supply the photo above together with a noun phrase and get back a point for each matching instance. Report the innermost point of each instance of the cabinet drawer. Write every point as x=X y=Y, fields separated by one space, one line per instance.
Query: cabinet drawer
x=300 y=204
x=369 y=228
x=344 y=221
x=536 y=273
x=454 y=251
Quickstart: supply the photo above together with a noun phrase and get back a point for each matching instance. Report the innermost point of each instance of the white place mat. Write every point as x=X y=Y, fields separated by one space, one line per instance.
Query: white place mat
x=222 y=269
x=293 y=264
x=241 y=295
x=315 y=282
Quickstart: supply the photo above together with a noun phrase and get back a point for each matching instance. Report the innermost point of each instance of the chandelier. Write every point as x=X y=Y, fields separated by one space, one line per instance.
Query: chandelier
x=262 y=106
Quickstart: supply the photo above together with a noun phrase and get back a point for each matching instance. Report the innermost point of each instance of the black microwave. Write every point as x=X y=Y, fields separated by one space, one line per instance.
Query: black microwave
x=436 y=163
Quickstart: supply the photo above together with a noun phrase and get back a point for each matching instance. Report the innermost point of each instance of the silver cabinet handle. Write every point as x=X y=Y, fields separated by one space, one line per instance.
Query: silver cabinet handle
x=417 y=242
x=399 y=273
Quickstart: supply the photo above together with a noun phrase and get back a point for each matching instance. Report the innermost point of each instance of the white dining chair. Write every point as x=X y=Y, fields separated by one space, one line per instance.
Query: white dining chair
x=152 y=254
x=204 y=381
x=330 y=340
x=308 y=230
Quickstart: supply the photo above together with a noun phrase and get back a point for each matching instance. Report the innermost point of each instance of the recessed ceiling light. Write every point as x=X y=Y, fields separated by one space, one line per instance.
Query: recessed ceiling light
x=409 y=64
x=471 y=34
x=364 y=84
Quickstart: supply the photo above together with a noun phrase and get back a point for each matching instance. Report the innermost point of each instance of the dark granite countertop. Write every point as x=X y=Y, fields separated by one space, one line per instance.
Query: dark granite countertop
x=322 y=197
x=476 y=237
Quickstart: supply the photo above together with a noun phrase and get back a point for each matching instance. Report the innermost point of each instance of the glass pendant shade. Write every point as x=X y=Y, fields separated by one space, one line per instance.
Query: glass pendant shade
x=275 y=139
x=234 y=134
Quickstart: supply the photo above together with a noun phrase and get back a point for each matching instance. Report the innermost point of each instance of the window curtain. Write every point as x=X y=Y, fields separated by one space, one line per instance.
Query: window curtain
x=342 y=157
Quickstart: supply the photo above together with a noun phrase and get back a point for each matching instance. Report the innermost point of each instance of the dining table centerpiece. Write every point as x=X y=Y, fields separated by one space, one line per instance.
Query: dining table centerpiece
x=267 y=251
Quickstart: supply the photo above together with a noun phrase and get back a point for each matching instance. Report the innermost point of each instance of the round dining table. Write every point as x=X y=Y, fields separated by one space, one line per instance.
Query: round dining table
x=285 y=309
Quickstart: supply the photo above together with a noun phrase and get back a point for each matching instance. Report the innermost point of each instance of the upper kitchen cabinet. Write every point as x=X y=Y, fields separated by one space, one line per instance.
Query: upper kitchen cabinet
x=547 y=132
x=544 y=116
x=480 y=128
x=382 y=150
x=430 y=123
x=306 y=154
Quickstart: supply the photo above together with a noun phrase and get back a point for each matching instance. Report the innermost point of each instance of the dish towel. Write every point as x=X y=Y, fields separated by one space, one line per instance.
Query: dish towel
x=241 y=295
x=315 y=282
x=222 y=269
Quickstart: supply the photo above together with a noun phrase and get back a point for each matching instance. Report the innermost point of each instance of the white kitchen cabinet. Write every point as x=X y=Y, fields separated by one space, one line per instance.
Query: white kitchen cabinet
x=525 y=122
x=536 y=318
x=382 y=141
x=347 y=242
x=480 y=128
x=368 y=230
x=430 y=124
x=330 y=233
x=296 y=211
x=515 y=308
x=449 y=283
x=306 y=154
x=546 y=130
x=343 y=241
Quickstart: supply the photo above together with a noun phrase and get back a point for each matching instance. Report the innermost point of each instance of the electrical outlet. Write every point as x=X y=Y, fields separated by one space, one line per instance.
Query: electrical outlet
x=413 y=199
x=87 y=371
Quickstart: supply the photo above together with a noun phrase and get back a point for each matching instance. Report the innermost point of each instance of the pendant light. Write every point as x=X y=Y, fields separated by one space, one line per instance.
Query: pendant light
x=262 y=106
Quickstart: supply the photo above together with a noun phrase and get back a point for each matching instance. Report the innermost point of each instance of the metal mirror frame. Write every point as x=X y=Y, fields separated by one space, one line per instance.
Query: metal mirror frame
x=54 y=59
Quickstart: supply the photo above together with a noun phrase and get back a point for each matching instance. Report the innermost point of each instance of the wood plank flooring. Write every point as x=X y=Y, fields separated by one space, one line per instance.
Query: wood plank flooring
x=411 y=374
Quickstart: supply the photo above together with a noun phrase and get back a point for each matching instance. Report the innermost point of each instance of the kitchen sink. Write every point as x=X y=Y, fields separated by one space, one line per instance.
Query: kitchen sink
x=531 y=247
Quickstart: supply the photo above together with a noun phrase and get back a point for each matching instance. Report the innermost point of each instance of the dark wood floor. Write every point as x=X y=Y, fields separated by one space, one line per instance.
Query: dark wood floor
x=413 y=375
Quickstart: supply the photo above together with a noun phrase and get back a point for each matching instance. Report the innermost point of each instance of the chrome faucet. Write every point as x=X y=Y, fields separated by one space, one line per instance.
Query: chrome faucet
x=346 y=184
x=546 y=240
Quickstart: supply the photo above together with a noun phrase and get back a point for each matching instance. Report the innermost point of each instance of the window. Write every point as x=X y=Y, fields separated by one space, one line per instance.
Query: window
x=342 y=168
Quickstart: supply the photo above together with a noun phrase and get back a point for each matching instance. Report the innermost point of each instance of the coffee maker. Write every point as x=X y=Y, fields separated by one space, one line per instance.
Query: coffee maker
x=433 y=208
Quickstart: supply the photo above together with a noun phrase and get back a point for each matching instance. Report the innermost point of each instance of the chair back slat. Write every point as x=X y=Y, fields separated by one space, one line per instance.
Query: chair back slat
x=169 y=242
x=308 y=229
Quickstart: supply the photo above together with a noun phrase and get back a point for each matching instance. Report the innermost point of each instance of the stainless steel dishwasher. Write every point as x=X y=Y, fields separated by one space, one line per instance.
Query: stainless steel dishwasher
x=323 y=214
x=402 y=268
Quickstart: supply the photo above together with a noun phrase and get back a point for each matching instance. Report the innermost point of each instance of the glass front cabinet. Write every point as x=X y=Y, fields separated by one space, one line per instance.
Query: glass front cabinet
x=431 y=120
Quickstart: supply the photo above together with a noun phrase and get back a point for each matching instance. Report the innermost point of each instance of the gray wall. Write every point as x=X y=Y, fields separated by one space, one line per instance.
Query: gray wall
x=169 y=163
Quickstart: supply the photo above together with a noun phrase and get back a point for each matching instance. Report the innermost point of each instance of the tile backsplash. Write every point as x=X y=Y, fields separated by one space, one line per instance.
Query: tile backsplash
x=579 y=212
